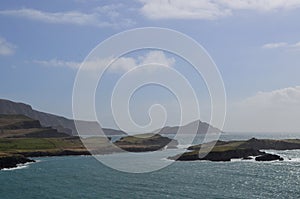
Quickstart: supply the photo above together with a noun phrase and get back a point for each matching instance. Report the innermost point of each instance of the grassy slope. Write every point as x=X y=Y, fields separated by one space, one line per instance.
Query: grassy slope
x=15 y=145
x=223 y=147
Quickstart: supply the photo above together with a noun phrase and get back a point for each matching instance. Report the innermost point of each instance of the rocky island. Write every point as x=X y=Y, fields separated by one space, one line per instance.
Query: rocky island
x=227 y=150
x=146 y=142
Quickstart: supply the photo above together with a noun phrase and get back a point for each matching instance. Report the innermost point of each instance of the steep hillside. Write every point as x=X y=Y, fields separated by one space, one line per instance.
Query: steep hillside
x=20 y=126
x=61 y=124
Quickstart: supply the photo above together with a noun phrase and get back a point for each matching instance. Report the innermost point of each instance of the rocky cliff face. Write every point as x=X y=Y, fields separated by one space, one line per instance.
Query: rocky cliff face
x=11 y=122
x=17 y=126
x=46 y=119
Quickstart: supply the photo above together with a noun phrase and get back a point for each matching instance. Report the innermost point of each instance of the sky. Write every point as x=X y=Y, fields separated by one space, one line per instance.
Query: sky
x=255 y=45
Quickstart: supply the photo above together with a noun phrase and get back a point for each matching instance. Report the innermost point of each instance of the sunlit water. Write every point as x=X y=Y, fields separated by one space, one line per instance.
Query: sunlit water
x=84 y=177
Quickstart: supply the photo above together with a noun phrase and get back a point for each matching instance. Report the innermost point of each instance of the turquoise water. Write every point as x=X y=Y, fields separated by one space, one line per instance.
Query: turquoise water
x=84 y=177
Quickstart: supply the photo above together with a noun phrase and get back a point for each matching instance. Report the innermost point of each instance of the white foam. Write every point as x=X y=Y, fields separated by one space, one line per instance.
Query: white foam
x=15 y=168
x=19 y=166
x=293 y=160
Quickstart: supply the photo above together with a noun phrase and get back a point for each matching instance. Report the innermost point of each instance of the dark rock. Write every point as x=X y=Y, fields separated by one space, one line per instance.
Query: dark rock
x=55 y=153
x=247 y=158
x=13 y=161
x=268 y=157
x=225 y=155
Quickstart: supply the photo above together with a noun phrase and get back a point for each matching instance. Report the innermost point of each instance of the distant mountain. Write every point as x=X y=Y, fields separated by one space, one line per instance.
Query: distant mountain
x=203 y=128
x=59 y=123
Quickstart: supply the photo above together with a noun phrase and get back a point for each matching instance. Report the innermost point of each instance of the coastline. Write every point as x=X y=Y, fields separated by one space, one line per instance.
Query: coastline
x=222 y=151
x=12 y=161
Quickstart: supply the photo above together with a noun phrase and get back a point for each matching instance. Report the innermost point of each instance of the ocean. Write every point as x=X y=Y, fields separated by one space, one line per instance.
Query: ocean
x=85 y=177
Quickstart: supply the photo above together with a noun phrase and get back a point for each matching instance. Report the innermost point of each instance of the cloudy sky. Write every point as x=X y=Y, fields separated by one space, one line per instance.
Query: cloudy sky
x=255 y=44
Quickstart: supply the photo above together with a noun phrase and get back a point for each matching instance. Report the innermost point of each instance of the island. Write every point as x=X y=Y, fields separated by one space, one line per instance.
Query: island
x=145 y=142
x=228 y=150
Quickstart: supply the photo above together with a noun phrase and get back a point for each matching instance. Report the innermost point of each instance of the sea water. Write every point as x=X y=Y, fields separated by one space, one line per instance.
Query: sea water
x=85 y=177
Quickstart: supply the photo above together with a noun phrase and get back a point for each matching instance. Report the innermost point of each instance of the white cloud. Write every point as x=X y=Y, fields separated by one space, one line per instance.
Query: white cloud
x=262 y=5
x=275 y=45
x=209 y=9
x=276 y=111
x=58 y=63
x=178 y=9
x=122 y=64
x=278 y=98
x=296 y=45
x=154 y=57
x=95 y=18
x=125 y=64
x=6 y=48
x=281 y=45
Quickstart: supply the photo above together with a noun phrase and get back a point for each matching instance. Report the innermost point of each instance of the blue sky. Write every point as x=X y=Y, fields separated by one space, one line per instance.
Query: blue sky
x=254 y=44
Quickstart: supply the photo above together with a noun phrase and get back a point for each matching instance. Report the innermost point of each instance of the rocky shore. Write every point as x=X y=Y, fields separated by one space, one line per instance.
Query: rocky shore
x=12 y=161
x=226 y=151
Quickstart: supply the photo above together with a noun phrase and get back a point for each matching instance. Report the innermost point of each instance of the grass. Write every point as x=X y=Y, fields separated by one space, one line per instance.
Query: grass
x=16 y=132
x=140 y=138
x=12 y=145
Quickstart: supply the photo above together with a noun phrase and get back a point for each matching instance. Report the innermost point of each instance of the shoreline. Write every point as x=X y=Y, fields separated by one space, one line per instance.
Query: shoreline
x=222 y=151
